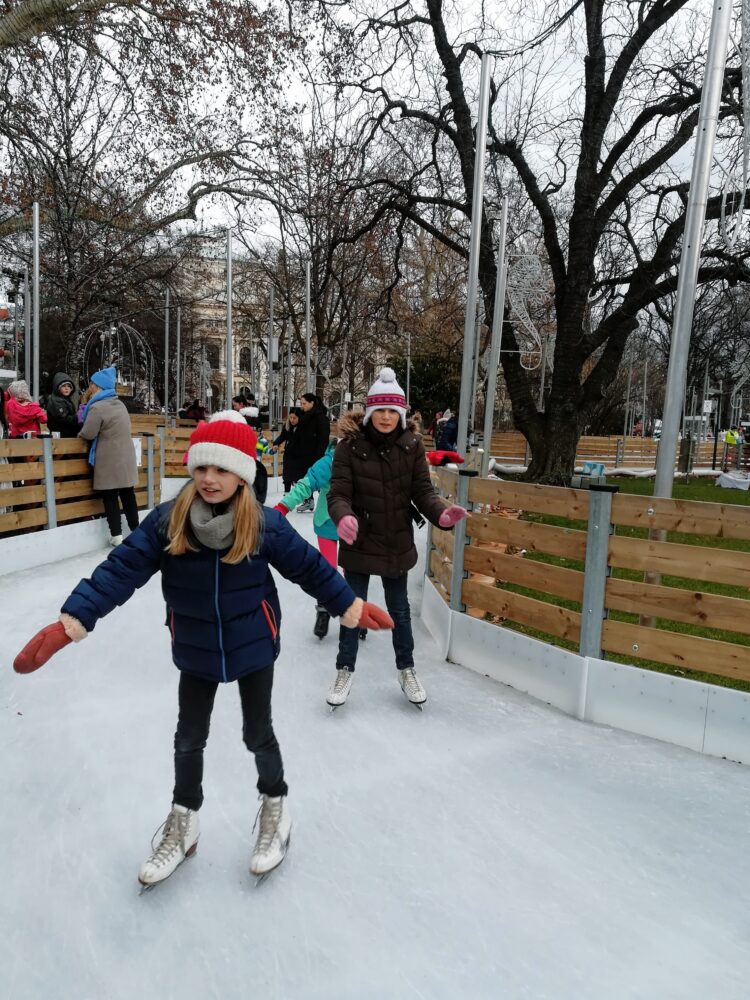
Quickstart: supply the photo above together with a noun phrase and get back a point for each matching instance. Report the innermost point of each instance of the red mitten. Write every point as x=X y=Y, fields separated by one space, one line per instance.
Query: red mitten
x=452 y=515
x=38 y=650
x=374 y=617
x=281 y=509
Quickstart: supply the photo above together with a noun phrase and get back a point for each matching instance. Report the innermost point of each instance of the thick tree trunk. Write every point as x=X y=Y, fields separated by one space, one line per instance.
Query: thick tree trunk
x=553 y=452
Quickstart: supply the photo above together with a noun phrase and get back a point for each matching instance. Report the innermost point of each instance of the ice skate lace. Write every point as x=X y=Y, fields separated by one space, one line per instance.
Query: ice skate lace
x=172 y=839
x=410 y=682
x=269 y=815
x=342 y=681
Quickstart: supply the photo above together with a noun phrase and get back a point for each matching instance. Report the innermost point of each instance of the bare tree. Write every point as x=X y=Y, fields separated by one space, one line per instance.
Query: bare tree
x=596 y=150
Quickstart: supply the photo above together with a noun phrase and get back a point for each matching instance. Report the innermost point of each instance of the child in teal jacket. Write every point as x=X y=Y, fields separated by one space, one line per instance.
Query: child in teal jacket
x=318 y=478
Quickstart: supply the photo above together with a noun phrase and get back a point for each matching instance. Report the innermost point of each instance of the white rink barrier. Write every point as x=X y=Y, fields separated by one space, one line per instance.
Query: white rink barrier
x=35 y=548
x=704 y=717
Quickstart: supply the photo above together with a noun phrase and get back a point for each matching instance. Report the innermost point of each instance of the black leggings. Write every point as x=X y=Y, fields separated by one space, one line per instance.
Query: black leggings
x=112 y=508
x=196 y=696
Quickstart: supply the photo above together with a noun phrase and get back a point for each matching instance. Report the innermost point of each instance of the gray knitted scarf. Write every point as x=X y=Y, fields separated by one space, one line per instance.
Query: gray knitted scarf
x=215 y=531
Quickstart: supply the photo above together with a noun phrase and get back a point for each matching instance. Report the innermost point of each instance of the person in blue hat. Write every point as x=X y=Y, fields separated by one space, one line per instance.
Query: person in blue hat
x=106 y=424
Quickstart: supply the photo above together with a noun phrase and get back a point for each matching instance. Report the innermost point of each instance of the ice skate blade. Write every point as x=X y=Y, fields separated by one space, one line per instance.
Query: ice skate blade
x=147 y=886
x=260 y=877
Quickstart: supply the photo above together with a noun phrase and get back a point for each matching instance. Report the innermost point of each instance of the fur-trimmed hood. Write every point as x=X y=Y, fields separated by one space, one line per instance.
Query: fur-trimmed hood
x=350 y=425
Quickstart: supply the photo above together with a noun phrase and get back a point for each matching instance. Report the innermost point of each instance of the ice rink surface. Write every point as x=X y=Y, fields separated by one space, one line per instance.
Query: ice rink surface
x=489 y=847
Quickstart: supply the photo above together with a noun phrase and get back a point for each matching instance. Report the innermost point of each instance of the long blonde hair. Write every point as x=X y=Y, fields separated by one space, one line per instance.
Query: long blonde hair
x=247 y=524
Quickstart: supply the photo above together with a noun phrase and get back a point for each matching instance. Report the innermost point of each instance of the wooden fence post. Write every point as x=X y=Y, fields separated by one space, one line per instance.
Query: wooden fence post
x=49 y=482
x=596 y=569
x=459 y=539
x=149 y=469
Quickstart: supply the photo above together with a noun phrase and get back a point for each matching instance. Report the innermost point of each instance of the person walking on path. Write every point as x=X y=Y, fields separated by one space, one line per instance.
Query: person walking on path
x=313 y=432
x=379 y=470
x=318 y=478
x=61 y=408
x=214 y=546
x=106 y=424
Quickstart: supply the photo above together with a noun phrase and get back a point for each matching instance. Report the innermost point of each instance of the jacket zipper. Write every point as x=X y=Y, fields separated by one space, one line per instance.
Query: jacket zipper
x=218 y=620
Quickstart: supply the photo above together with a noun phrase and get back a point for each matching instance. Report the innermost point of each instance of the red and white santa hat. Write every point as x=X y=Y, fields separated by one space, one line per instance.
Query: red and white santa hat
x=385 y=394
x=226 y=441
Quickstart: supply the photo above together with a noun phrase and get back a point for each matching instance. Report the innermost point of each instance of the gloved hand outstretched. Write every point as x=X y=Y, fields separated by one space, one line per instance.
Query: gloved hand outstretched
x=348 y=529
x=452 y=515
x=363 y=614
x=48 y=641
x=374 y=617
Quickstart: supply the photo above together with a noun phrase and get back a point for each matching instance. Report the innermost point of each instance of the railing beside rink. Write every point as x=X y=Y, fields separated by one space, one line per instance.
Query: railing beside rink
x=47 y=481
x=583 y=569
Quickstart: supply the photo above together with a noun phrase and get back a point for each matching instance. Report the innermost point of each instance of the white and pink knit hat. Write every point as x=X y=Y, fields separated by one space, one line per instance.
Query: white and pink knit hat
x=385 y=394
x=226 y=441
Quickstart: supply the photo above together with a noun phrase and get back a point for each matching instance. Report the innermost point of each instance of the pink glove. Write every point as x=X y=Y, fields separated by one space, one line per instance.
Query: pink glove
x=452 y=515
x=348 y=529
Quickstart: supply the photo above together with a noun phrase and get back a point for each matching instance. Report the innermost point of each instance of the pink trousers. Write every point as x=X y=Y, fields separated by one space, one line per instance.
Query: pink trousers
x=329 y=550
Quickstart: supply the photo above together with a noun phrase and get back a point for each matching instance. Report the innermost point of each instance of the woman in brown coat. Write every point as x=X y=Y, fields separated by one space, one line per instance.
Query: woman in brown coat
x=106 y=423
x=379 y=471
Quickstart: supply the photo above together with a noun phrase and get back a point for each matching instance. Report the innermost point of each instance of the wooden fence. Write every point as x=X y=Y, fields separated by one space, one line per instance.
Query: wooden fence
x=580 y=567
x=48 y=481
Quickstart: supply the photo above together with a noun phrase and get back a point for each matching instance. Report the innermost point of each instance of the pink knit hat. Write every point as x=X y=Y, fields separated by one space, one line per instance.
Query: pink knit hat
x=226 y=441
x=385 y=394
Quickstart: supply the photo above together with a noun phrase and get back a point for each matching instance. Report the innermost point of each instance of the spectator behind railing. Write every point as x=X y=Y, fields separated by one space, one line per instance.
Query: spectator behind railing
x=23 y=415
x=106 y=424
x=60 y=406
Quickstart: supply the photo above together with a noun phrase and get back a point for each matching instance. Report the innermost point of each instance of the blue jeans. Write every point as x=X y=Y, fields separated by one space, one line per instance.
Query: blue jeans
x=397 y=602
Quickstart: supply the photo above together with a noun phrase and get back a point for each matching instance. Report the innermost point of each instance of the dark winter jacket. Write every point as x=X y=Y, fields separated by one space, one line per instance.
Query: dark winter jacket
x=224 y=620
x=295 y=465
x=447 y=434
x=378 y=483
x=61 y=410
x=311 y=437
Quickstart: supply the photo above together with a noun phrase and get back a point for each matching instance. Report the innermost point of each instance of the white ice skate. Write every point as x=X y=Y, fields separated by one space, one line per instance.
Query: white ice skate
x=341 y=687
x=275 y=828
x=179 y=840
x=411 y=687
x=115 y=540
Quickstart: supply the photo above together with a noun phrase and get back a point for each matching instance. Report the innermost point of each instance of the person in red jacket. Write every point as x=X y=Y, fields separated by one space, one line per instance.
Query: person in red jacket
x=23 y=415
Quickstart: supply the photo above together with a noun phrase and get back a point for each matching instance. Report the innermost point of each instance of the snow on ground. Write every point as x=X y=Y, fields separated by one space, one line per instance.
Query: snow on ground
x=489 y=847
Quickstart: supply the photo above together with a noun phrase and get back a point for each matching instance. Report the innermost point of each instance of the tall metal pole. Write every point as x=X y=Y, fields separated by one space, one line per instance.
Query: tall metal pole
x=270 y=362
x=178 y=380
x=695 y=216
x=290 y=370
x=26 y=327
x=540 y=404
x=704 y=421
x=644 y=417
x=166 y=360
x=627 y=401
x=230 y=344
x=343 y=381
x=477 y=205
x=35 y=266
x=408 y=368
x=308 y=370
x=15 y=330
x=498 y=311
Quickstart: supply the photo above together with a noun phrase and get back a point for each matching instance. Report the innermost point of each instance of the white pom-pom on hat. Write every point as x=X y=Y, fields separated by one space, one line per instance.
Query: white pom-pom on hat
x=227 y=415
x=385 y=394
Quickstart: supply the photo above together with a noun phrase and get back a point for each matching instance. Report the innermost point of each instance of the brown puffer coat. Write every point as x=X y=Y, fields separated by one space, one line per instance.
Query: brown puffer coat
x=378 y=486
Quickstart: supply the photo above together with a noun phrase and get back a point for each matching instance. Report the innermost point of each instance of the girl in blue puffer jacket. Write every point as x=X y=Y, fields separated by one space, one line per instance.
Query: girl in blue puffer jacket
x=214 y=546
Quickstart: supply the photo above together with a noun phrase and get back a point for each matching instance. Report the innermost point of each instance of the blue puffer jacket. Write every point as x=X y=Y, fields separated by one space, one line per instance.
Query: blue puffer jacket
x=224 y=619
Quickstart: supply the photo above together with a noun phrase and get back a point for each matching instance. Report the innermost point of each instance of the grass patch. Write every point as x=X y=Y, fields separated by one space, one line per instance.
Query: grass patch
x=700 y=490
